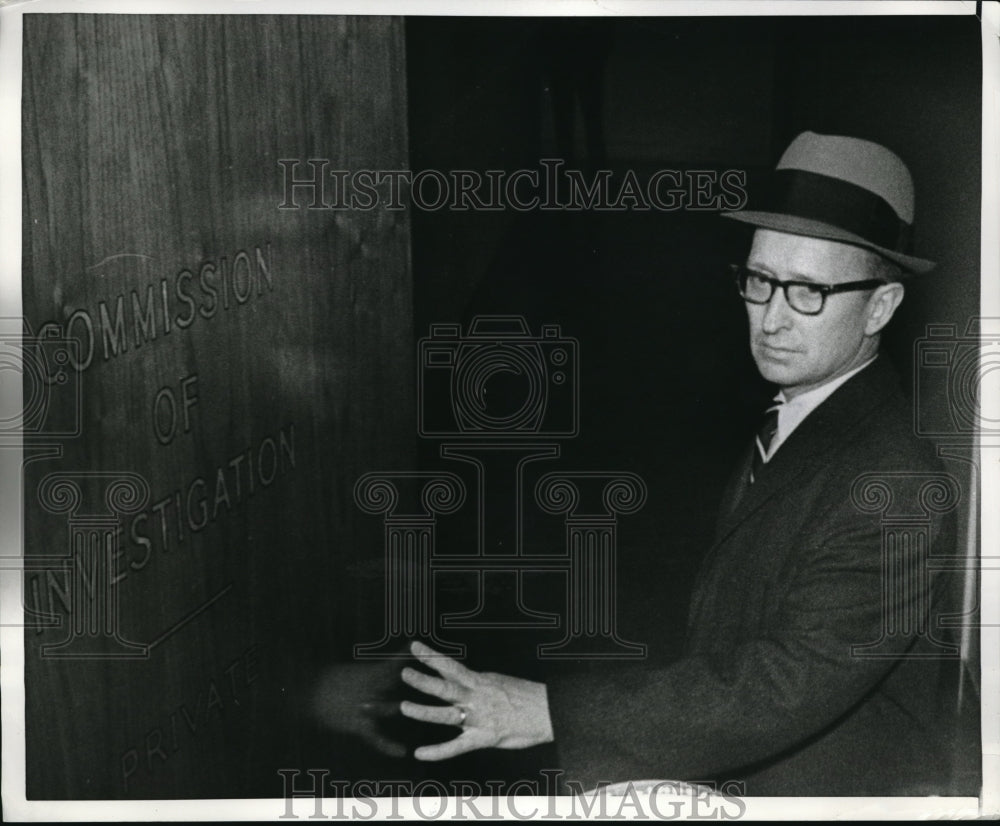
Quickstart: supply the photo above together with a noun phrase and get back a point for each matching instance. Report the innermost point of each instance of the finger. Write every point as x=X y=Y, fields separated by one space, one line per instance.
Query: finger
x=442 y=663
x=465 y=742
x=430 y=685
x=444 y=715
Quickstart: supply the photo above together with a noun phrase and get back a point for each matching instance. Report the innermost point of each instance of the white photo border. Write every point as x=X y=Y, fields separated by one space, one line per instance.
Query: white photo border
x=16 y=807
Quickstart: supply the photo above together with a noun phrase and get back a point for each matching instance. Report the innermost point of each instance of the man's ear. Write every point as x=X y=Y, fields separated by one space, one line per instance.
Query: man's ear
x=881 y=306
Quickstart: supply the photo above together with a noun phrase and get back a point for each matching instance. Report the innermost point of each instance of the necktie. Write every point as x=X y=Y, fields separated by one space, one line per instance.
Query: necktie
x=765 y=435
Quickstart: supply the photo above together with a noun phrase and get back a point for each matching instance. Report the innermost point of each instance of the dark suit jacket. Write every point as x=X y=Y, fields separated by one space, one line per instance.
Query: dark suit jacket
x=768 y=691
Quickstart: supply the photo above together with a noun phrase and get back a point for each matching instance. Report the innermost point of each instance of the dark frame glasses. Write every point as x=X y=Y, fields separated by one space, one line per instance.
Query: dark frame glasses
x=804 y=297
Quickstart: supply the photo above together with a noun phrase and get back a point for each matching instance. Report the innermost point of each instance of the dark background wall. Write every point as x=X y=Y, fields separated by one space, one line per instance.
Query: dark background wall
x=159 y=137
x=667 y=386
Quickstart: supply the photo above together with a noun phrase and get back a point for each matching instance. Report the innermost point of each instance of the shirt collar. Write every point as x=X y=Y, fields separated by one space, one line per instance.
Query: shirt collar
x=792 y=411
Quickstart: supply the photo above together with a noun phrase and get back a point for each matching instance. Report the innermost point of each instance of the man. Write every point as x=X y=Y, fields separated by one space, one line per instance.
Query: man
x=799 y=676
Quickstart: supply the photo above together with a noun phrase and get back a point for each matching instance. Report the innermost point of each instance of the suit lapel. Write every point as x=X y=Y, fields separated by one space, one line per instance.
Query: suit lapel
x=738 y=483
x=807 y=447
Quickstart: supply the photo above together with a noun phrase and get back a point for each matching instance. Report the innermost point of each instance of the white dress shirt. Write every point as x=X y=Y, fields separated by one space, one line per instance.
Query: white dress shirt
x=792 y=411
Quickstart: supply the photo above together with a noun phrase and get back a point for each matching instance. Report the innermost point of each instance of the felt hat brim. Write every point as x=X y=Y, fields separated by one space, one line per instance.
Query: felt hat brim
x=817 y=229
x=840 y=189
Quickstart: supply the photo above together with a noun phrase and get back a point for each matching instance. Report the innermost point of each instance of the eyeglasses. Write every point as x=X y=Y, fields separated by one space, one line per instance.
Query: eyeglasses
x=802 y=296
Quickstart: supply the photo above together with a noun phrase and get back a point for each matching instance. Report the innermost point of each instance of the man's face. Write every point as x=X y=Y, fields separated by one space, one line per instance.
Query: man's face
x=799 y=352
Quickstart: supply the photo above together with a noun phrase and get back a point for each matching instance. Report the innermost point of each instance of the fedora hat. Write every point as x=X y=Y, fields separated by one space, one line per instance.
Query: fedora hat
x=841 y=189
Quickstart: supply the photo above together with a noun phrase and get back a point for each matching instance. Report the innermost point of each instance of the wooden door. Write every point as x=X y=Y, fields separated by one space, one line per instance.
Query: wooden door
x=234 y=361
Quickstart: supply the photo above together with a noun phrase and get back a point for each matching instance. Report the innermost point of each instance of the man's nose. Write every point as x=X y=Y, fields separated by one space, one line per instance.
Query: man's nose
x=777 y=313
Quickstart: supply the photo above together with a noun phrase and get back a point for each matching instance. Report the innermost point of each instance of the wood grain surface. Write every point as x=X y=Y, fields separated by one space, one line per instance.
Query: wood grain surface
x=248 y=362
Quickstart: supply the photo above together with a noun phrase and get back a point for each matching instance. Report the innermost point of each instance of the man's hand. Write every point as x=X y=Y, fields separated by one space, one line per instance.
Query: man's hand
x=493 y=710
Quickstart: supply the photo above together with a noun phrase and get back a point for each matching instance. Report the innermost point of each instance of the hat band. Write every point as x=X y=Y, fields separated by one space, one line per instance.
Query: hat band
x=840 y=203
